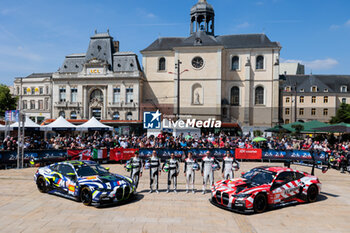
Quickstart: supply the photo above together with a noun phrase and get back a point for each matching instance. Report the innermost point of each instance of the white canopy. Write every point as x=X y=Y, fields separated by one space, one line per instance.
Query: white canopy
x=27 y=124
x=60 y=124
x=2 y=127
x=94 y=125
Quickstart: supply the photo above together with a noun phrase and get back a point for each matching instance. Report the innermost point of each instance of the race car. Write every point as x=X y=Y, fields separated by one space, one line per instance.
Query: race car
x=84 y=181
x=264 y=187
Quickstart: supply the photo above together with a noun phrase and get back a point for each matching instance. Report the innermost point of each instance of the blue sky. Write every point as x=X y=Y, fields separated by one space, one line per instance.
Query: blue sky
x=36 y=35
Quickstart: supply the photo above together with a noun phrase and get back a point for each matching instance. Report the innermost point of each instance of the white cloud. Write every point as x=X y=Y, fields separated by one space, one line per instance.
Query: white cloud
x=318 y=64
x=243 y=25
x=151 y=15
x=337 y=26
x=19 y=52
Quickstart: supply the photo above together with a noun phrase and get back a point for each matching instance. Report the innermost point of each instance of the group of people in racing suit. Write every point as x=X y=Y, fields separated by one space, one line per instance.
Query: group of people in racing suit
x=208 y=165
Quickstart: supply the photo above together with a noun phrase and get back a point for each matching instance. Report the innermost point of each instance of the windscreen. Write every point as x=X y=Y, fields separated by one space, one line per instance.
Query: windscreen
x=91 y=170
x=259 y=176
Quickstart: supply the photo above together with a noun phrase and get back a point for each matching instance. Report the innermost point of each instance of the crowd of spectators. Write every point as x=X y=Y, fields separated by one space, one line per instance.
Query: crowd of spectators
x=337 y=152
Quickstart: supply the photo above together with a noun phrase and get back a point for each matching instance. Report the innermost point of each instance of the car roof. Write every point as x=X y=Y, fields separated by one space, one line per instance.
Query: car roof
x=79 y=162
x=276 y=169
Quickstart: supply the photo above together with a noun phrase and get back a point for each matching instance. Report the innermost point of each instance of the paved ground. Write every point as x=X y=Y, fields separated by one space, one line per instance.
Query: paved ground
x=24 y=209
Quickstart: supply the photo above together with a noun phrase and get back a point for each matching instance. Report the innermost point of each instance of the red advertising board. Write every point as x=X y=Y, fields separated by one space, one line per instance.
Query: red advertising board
x=118 y=154
x=251 y=154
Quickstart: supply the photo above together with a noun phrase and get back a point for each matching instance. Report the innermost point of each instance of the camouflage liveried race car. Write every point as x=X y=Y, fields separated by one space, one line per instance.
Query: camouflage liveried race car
x=264 y=187
x=85 y=181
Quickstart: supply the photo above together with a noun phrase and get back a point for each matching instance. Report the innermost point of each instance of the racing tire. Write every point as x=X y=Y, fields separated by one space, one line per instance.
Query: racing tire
x=86 y=196
x=41 y=184
x=312 y=193
x=260 y=203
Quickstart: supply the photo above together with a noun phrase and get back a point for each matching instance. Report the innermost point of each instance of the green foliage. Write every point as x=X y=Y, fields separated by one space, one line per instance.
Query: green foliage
x=257 y=133
x=7 y=102
x=342 y=115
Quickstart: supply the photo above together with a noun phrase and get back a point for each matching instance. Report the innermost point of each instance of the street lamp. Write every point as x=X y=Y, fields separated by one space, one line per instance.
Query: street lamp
x=177 y=67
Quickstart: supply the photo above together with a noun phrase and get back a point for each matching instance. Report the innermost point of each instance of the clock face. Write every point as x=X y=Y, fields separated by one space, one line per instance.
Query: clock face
x=197 y=62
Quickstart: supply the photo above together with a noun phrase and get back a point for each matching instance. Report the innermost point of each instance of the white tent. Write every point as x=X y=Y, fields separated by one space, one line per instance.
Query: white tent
x=28 y=124
x=2 y=127
x=94 y=125
x=60 y=124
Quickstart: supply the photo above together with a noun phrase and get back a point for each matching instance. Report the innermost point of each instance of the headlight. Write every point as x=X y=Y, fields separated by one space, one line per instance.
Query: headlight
x=242 y=195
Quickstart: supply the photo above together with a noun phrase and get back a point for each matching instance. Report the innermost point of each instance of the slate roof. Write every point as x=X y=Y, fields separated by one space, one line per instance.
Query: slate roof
x=331 y=82
x=203 y=39
x=37 y=75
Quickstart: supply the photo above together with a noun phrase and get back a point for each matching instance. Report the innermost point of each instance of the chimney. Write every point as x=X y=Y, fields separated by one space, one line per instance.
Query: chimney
x=116 y=46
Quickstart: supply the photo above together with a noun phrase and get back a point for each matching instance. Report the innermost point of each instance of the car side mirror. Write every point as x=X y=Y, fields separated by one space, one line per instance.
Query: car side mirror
x=107 y=168
x=242 y=173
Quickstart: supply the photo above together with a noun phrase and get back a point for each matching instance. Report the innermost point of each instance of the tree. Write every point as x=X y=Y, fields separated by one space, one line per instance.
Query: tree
x=342 y=115
x=7 y=102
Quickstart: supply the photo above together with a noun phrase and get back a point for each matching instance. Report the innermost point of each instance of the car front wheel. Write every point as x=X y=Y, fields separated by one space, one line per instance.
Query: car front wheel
x=41 y=184
x=260 y=203
x=312 y=193
x=86 y=196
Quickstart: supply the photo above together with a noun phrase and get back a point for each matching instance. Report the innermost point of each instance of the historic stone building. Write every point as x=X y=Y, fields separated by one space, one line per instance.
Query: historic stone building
x=234 y=78
x=102 y=82
x=35 y=93
x=313 y=97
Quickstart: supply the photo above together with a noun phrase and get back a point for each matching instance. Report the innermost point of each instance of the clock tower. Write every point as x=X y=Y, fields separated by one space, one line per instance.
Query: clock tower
x=202 y=18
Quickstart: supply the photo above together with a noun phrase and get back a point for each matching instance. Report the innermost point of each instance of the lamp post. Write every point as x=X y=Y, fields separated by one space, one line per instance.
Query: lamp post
x=178 y=73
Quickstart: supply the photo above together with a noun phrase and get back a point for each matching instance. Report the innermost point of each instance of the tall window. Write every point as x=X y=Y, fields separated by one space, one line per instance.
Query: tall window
x=325 y=112
x=161 y=65
x=129 y=116
x=116 y=95
x=33 y=90
x=286 y=121
x=62 y=94
x=24 y=104
x=313 y=99
x=301 y=99
x=41 y=104
x=41 y=90
x=17 y=90
x=235 y=63
x=116 y=116
x=32 y=104
x=260 y=62
x=287 y=111
x=325 y=99
x=47 y=90
x=288 y=100
x=62 y=114
x=313 y=111
x=343 y=100
x=46 y=103
x=73 y=94
x=235 y=96
x=129 y=94
x=314 y=89
x=25 y=91
x=73 y=115
x=259 y=95
x=301 y=111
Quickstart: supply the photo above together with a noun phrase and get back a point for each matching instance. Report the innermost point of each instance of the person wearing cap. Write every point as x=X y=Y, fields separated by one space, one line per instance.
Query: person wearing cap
x=136 y=168
x=229 y=163
x=154 y=171
x=189 y=171
x=207 y=170
x=173 y=166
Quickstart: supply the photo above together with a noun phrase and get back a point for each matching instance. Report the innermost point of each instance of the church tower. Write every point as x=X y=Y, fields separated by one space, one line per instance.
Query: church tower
x=202 y=18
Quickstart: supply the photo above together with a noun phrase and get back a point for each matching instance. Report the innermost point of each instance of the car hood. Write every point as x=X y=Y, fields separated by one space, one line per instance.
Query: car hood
x=112 y=179
x=235 y=186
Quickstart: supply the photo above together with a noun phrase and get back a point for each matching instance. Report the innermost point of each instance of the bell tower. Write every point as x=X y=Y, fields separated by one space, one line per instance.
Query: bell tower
x=202 y=18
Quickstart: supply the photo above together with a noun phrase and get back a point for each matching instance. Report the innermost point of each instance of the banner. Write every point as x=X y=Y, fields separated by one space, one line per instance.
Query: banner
x=274 y=154
x=116 y=154
x=79 y=154
x=294 y=155
x=250 y=154
x=10 y=157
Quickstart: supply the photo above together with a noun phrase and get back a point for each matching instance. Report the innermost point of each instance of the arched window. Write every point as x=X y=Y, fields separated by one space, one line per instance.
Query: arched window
x=62 y=114
x=96 y=95
x=235 y=96
x=235 y=63
x=73 y=115
x=129 y=116
x=260 y=62
x=116 y=116
x=259 y=95
x=161 y=65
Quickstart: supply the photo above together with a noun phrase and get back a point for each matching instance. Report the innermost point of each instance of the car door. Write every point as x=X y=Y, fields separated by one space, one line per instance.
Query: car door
x=284 y=187
x=69 y=178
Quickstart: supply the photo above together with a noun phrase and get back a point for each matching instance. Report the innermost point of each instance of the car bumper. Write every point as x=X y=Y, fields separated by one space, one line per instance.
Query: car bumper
x=118 y=194
x=237 y=209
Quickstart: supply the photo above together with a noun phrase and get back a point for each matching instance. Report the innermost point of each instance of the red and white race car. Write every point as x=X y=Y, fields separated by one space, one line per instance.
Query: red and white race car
x=264 y=187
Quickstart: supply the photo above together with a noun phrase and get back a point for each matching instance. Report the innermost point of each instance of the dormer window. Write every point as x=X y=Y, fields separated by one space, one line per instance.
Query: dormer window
x=288 y=88
x=302 y=90
x=325 y=90
x=314 y=89
x=343 y=89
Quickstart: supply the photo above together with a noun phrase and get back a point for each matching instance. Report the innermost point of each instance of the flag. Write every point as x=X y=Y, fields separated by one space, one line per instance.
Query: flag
x=79 y=154
x=99 y=154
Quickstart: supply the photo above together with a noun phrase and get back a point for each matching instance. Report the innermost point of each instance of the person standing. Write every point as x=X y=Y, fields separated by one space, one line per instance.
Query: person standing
x=154 y=171
x=189 y=171
x=207 y=170
x=228 y=165
x=136 y=168
x=173 y=171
